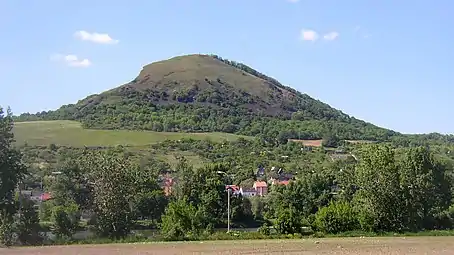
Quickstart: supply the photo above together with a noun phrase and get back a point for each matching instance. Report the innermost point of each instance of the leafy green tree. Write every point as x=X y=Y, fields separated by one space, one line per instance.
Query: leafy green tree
x=181 y=221
x=12 y=171
x=27 y=223
x=331 y=140
x=289 y=221
x=205 y=188
x=65 y=220
x=150 y=205
x=377 y=177
x=426 y=188
x=336 y=217
x=113 y=177
x=71 y=185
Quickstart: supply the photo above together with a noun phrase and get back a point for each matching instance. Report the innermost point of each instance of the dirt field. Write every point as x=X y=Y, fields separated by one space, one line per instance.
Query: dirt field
x=396 y=245
x=309 y=143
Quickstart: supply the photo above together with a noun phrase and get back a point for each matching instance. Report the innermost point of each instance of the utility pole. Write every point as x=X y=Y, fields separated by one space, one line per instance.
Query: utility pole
x=228 y=209
x=229 y=189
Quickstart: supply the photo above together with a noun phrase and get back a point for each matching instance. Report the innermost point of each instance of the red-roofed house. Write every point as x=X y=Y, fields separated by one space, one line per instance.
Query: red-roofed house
x=168 y=183
x=45 y=196
x=278 y=182
x=235 y=190
x=261 y=188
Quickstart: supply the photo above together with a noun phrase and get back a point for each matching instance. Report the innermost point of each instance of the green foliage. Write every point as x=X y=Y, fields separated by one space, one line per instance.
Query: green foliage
x=150 y=205
x=377 y=177
x=112 y=178
x=65 y=220
x=12 y=172
x=212 y=95
x=27 y=223
x=337 y=217
x=181 y=221
x=426 y=188
x=331 y=141
x=288 y=221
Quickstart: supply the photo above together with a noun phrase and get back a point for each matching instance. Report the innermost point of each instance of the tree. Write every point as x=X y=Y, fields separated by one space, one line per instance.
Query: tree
x=426 y=188
x=113 y=184
x=205 y=188
x=336 y=217
x=289 y=221
x=65 y=220
x=181 y=221
x=377 y=177
x=27 y=223
x=330 y=140
x=12 y=171
x=71 y=185
x=150 y=204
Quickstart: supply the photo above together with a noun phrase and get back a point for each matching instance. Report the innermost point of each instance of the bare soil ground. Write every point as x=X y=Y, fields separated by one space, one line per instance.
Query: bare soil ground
x=310 y=143
x=340 y=246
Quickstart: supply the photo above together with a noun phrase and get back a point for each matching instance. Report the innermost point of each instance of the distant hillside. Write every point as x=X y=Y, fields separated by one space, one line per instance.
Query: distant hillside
x=202 y=93
x=71 y=134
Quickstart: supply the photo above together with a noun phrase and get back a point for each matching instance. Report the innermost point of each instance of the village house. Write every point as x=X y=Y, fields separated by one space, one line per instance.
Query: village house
x=248 y=192
x=261 y=188
x=235 y=190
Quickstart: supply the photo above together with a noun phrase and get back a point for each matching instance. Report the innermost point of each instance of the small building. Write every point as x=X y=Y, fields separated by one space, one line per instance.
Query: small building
x=248 y=192
x=235 y=190
x=261 y=188
x=168 y=184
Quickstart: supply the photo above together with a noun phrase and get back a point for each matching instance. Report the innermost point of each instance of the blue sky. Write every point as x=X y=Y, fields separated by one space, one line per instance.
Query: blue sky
x=385 y=61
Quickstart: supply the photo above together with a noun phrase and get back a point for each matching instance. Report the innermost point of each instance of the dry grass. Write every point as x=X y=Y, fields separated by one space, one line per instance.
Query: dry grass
x=376 y=246
x=70 y=133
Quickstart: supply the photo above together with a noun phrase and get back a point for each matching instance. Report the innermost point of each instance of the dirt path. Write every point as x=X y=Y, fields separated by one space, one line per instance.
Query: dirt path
x=340 y=246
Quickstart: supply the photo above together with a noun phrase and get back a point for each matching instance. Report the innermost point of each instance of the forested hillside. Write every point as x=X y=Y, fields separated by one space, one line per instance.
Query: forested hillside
x=202 y=93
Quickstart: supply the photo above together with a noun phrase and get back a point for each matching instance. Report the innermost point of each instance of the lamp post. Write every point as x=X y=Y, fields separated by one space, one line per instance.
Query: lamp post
x=228 y=209
x=229 y=189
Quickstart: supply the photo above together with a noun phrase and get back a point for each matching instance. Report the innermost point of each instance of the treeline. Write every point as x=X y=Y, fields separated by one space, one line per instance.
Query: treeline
x=132 y=114
x=386 y=190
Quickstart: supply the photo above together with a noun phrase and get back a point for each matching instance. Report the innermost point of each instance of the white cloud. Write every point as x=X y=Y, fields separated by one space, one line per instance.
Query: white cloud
x=331 y=36
x=95 y=37
x=71 y=60
x=308 y=35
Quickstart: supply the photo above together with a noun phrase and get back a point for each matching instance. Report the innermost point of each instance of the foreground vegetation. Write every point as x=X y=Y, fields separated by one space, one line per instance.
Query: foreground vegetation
x=109 y=191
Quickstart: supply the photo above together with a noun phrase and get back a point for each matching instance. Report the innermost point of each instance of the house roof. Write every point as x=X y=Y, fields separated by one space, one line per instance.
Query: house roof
x=45 y=196
x=260 y=184
x=233 y=187
x=283 y=182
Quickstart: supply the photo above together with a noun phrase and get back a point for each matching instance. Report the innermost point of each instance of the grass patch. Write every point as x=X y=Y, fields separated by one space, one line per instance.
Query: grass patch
x=71 y=133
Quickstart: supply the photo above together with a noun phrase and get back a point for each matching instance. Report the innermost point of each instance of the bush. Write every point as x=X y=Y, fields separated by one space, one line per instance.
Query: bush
x=65 y=220
x=264 y=230
x=27 y=224
x=288 y=222
x=335 y=218
x=181 y=222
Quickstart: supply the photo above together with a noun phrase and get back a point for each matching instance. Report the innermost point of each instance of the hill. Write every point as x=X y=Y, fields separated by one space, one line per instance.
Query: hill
x=205 y=93
x=71 y=133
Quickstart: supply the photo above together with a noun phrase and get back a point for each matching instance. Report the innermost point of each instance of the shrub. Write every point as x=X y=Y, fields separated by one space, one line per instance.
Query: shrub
x=64 y=220
x=335 y=218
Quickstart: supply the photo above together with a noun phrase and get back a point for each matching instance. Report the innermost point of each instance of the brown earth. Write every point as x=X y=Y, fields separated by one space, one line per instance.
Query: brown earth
x=376 y=246
x=310 y=143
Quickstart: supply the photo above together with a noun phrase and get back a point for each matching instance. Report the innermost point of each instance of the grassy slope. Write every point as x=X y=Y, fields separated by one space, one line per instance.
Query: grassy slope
x=70 y=133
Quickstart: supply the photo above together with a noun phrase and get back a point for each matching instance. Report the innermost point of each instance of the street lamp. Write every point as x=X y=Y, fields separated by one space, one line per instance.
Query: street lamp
x=228 y=188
